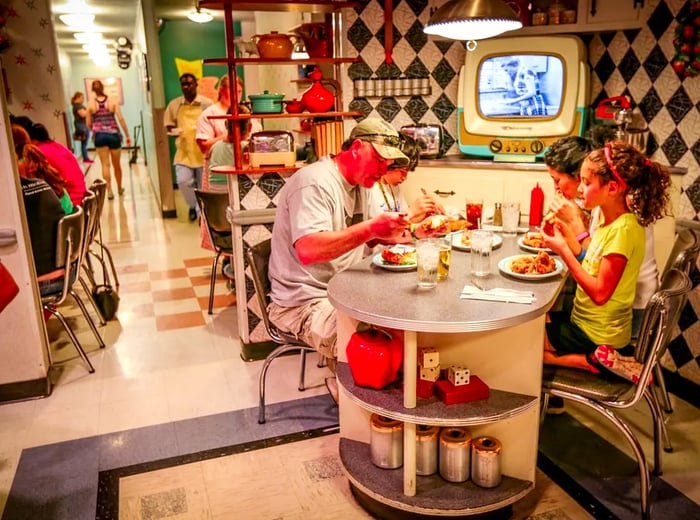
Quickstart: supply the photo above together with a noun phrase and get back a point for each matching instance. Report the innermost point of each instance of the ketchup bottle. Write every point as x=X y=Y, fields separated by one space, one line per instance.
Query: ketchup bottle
x=536 y=205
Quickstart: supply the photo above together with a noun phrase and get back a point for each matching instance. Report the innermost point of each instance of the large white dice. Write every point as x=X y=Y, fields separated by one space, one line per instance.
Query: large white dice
x=429 y=373
x=428 y=357
x=458 y=375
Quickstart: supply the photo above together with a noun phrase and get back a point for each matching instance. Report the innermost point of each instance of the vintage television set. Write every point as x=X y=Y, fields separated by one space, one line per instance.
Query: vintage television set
x=518 y=95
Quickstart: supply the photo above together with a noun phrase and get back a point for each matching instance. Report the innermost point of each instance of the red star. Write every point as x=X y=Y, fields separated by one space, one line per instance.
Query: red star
x=11 y=13
x=28 y=105
x=19 y=60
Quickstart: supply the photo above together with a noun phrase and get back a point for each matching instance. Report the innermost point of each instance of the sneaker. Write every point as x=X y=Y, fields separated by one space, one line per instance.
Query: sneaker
x=625 y=367
x=193 y=215
x=555 y=405
x=110 y=195
x=121 y=192
x=88 y=161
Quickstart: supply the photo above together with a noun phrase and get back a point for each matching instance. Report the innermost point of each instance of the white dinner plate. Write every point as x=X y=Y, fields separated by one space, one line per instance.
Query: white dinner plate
x=457 y=242
x=504 y=267
x=379 y=261
x=533 y=249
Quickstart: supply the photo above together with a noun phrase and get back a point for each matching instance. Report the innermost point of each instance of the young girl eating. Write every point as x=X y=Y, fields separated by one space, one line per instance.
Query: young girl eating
x=632 y=192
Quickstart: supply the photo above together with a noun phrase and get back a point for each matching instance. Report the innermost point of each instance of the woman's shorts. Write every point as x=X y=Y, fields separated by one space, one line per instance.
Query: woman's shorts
x=112 y=141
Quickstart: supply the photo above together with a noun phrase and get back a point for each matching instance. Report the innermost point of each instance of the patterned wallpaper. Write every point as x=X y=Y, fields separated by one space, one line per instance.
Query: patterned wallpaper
x=31 y=65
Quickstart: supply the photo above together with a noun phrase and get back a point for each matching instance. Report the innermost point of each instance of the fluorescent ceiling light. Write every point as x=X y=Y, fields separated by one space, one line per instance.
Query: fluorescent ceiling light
x=88 y=37
x=200 y=16
x=78 y=21
x=91 y=48
x=472 y=20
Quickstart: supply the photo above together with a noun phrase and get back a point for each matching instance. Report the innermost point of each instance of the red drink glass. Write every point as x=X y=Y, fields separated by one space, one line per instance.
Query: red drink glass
x=474 y=209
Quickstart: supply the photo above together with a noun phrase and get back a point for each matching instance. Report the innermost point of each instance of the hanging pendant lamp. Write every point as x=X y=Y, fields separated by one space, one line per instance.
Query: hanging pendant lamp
x=472 y=20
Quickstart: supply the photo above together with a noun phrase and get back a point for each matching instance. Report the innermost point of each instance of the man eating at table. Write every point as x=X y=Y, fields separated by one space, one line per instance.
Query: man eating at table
x=320 y=229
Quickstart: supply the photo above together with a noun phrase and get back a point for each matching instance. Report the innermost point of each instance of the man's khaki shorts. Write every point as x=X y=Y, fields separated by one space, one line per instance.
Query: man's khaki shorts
x=314 y=323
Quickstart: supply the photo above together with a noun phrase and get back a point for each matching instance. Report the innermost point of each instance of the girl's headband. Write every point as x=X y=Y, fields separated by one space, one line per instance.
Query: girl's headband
x=616 y=174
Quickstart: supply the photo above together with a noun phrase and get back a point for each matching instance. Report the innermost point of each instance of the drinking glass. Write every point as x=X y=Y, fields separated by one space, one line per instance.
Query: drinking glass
x=474 y=210
x=427 y=260
x=510 y=212
x=445 y=257
x=481 y=244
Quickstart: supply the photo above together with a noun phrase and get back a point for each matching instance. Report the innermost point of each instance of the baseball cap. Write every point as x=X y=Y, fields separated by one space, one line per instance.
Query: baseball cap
x=384 y=138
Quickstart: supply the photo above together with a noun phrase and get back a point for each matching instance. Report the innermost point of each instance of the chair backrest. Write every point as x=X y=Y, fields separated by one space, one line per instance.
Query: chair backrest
x=212 y=207
x=69 y=238
x=684 y=254
x=259 y=261
x=660 y=316
x=99 y=188
x=89 y=205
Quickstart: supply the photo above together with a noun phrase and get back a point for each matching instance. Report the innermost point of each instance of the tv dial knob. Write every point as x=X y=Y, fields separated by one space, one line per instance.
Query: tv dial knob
x=495 y=146
x=536 y=146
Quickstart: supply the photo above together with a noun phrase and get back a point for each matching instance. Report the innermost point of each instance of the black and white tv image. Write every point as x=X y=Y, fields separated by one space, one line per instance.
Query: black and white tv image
x=520 y=85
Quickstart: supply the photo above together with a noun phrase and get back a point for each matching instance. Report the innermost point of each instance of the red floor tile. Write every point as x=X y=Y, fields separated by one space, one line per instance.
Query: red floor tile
x=180 y=321
x=220 y=301
x=196 y=262
x=167 y=295
x=170 y=273
x=203 y=279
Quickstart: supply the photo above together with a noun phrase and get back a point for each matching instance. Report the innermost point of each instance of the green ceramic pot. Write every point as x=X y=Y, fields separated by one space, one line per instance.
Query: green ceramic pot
x=266 y=103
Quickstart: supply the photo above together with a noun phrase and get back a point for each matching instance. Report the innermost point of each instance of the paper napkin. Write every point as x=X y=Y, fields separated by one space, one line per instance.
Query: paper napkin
x=497 y=295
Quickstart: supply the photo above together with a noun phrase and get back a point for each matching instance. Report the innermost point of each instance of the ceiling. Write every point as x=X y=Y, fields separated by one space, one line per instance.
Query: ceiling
x=118 y=18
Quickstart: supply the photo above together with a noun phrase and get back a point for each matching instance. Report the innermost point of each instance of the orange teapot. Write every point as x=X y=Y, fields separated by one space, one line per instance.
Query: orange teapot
x=275 y=45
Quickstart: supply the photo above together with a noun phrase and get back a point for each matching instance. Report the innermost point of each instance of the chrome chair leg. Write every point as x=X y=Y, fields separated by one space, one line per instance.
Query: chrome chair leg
x=88 y=292
x=88 y=318
x=661 y=382
x=112 y=267
x=660 y=428
x=644 y=480
x=282 y=349
x=302 y=374
x=212 y=283
x=72 y=336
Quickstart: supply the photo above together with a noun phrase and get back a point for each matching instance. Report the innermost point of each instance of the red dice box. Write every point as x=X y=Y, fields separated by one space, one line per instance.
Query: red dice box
x=451 y=394
x=424 y=388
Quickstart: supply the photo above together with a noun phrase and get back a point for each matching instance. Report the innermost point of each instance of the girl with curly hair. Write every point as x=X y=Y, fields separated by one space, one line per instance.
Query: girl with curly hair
x=631 y=192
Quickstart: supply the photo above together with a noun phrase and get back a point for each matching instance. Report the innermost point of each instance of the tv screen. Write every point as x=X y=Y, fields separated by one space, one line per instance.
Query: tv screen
x=520 y=85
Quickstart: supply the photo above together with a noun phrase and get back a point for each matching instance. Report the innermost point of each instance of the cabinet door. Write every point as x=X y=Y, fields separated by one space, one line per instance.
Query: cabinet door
x=626 y=12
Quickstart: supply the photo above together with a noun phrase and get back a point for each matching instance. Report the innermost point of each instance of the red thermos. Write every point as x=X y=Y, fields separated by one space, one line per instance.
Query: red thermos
x=536 y=205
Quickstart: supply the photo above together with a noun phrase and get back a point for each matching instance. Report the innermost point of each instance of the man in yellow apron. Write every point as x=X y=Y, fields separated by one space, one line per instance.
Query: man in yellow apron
x=180 y=120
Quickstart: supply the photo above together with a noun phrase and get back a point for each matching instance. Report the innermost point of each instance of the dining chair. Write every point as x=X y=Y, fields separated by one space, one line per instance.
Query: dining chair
x=212 y=207
x=258 y=259
x=99 y=188
x=69 y=244
x=89 y=206
x=607 y=395
x=684 y=256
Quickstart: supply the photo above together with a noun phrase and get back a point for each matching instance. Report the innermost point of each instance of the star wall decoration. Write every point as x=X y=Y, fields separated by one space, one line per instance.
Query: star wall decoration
x=39 y=52
x=31 y=4
x=12 y=12
x=28 y=105
x=50 y=68
x=43 y=23
x=45 y=97
x=19 y=60
x=58 y=113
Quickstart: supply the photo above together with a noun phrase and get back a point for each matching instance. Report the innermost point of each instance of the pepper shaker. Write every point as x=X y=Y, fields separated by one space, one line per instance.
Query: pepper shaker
x=497 y=215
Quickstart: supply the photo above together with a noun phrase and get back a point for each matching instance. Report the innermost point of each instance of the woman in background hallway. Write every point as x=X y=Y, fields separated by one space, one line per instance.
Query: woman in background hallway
x=102 y=116
x=82 y=132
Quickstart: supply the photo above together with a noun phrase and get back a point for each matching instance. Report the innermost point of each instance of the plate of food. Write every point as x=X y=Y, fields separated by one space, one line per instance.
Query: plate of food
x=461 y=241
x=534 y=242
x=531 y=267
x=396 y=258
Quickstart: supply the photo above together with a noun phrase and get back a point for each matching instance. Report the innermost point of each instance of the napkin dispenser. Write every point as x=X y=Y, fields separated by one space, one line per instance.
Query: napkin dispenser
x=271 y=148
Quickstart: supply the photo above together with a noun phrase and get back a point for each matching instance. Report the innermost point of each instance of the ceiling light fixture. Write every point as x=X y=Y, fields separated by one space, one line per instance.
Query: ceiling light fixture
x=88 y=37
x=200 y=16
x=472 y=20
x=78 y=21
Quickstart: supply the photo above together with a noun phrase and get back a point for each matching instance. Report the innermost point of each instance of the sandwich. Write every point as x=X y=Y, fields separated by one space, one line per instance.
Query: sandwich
x=548 y=223
x=436 y=225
